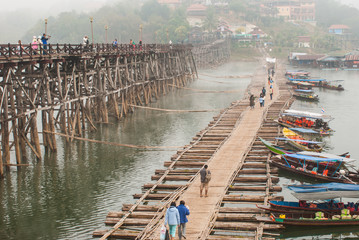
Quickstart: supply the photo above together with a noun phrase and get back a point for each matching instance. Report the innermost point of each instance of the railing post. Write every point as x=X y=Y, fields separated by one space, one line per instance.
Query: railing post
x=9 y=50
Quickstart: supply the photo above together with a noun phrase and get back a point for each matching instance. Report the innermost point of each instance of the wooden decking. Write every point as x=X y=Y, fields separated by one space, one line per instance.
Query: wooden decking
x=241 y=177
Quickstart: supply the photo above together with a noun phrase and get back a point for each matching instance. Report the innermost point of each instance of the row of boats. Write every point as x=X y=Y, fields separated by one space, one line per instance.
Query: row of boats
x=300 y=153
x=303 y=85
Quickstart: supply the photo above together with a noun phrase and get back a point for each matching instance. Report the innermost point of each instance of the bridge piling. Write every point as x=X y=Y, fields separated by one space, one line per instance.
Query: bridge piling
x=72 y=89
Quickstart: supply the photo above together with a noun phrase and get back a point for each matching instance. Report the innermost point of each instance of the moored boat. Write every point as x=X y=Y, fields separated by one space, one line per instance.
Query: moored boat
x=299 y=142
x=274 y=148
x=307 y=97
x=314 y=219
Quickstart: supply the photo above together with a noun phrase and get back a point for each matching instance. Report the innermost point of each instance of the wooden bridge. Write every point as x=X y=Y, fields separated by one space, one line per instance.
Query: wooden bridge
x=71 y=87
x=241 y=177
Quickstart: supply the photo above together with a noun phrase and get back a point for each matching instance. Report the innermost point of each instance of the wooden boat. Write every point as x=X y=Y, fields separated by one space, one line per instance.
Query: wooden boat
x=338 y=87
x=327 y=170
x=274 y=148
x=304 y=206
x=319 y=126
x=314 y=219
x=319 y=192
x=307 y=97
x=301 y=144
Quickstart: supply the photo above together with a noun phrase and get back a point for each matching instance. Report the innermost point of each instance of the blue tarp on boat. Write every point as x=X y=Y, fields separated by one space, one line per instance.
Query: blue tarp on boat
x=297 y=140
x=310 y=158
x=307 y=80
x=323 y=187
x=303 y=130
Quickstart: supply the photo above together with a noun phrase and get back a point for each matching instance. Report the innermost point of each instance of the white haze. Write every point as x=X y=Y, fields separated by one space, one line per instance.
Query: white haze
x=16 y=17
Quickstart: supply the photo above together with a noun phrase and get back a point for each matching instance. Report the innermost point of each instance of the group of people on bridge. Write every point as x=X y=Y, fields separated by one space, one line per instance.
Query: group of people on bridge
x=262 y=95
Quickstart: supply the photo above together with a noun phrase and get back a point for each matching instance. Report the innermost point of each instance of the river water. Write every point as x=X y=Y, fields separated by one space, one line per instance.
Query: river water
x=69 y=193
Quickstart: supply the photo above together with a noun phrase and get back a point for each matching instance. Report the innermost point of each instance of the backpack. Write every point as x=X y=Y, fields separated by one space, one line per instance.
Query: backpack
x=207 y=177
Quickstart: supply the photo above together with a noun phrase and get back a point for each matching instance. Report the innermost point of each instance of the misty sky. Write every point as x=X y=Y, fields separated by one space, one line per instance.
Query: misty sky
x=53 y=6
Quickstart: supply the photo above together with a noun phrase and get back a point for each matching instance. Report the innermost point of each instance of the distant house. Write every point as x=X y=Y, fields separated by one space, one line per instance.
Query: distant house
x=303 y=41
x=309 y=60
x=339 y=29
x=330 y=62
x=351 y=61
x=173 y=4
x=196 y=10
x=257 y=33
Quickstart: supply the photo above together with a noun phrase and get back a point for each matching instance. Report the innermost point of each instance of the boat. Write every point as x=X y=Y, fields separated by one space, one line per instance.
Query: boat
x=297 y=73
x=274 y=148
x=299 y=142
x=328 y=85
x=324 y=169
x=315 y=81
x=314 y=219
x=307 y=97
x=307 y=120
x=324 y=192
x=331 y=206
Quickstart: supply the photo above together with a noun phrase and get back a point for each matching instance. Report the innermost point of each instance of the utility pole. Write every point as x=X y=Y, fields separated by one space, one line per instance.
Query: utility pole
x=141 y=32
x=106 y=28
x=91 y=21
x=46 y=26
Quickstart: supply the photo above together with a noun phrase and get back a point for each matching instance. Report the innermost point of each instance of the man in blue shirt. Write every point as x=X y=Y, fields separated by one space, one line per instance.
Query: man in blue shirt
x=183 y=212
x=44 y=40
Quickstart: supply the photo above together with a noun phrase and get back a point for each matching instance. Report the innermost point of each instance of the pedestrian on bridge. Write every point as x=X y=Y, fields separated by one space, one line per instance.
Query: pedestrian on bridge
x=173 y=219
x=44 y=40
x=183 y=212
x=205 y=178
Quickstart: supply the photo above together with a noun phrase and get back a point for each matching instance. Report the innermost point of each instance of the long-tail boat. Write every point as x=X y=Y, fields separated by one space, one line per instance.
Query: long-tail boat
x=307 y=97
x=299 y=142
x=274 y=148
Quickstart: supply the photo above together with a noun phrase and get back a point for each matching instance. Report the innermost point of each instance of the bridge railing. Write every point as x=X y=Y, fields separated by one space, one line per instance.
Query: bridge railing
x=29 y=51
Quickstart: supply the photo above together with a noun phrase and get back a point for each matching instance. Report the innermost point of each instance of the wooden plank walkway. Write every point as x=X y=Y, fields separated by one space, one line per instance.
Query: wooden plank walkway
x=240 y=176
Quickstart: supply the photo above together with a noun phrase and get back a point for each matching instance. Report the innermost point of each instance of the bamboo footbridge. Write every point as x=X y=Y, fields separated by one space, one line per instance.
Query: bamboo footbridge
x=241 y=178
x=66 y=89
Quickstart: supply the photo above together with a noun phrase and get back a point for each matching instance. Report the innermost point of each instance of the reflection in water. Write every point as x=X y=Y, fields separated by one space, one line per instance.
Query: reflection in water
x=70 y=192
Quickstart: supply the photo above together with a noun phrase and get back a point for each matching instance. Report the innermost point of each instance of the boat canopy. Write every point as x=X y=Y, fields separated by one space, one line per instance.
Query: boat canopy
x=311 y=158
x=298 y=113
x=307 y=80
x=303 y=130
x=325 y=191
x=303 y=90
x=297 y=140
x=327 y=155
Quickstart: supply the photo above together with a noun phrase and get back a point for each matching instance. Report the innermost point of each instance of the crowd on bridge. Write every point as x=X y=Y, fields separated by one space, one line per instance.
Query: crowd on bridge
x=37 y=44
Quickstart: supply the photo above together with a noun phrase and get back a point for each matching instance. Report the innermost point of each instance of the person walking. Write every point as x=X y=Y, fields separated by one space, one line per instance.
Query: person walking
x=271 y=92
x=261 y=100
x=205 y=179
x=114 y=43
x=183 y=213
x=173 y=219
x=85 y=43
x=264 y=91
x=251 y=101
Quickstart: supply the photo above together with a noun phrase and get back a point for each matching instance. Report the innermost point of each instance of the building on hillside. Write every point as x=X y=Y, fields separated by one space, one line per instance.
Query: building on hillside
x=172 y=4
x=257 y=33
x=290 y=10
x=339 y=29
x=303 y=41
x=196 y=10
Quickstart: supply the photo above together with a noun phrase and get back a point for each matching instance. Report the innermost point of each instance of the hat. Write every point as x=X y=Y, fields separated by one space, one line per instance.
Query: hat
x=39 y=37
x=34 y=37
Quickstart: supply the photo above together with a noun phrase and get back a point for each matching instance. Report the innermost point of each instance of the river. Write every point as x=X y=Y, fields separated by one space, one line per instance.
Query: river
x=69 y=193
